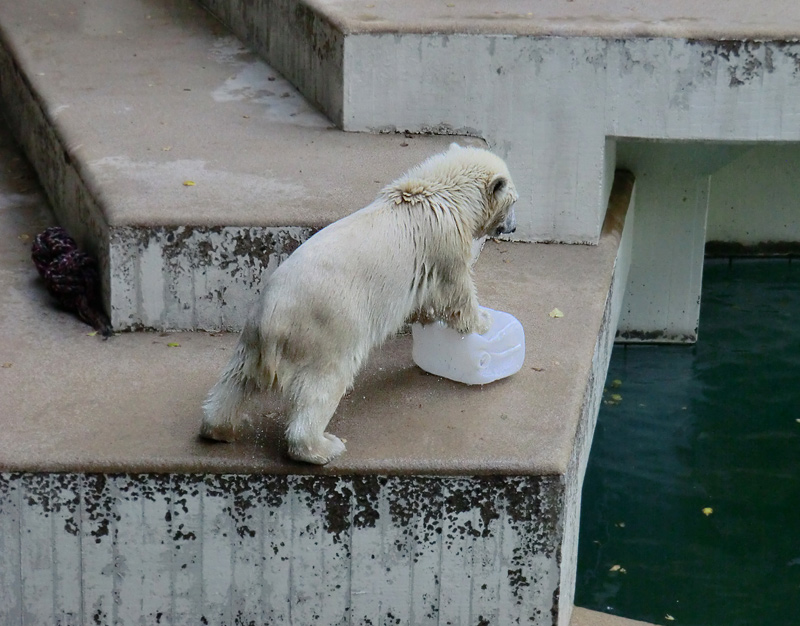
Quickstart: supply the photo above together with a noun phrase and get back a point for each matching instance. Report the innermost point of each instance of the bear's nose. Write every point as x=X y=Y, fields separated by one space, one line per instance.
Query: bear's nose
x=503 y=230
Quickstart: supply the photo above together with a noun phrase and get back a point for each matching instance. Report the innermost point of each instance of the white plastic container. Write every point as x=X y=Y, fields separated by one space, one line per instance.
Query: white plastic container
x=471 y=359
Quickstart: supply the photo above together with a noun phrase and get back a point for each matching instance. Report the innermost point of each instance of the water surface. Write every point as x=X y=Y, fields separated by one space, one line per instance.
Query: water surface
x=691 y=502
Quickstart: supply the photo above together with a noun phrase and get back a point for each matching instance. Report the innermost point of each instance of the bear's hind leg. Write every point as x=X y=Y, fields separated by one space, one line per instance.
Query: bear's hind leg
x=312 y=404
x=225 y=406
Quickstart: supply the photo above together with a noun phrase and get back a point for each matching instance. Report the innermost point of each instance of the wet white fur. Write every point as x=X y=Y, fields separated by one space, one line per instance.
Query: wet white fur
x=408 y=255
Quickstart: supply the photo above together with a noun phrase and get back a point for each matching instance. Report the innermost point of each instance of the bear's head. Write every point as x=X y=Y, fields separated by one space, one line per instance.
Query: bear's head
x=497 y=190
x=472 y=185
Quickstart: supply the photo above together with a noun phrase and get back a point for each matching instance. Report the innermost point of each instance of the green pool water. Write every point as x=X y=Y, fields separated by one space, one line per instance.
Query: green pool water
x=691 y=502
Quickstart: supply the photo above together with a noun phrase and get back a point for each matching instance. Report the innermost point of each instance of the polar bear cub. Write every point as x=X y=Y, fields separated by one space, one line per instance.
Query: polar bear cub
x=405 y=257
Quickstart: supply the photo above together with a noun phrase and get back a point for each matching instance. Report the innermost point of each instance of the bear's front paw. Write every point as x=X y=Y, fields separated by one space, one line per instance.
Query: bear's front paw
x=484 y=322
x=319 y=452
x=479 y=323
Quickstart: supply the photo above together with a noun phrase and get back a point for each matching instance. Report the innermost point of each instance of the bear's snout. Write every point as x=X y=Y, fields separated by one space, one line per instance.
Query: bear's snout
x=509 y=224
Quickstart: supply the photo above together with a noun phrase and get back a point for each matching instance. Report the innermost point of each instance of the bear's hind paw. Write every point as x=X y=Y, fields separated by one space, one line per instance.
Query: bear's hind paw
x=320 y=452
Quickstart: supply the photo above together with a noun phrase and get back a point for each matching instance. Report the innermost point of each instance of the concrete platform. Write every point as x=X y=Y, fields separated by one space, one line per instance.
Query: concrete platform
x=131 y=404
x=191 y=167
x=102 y=471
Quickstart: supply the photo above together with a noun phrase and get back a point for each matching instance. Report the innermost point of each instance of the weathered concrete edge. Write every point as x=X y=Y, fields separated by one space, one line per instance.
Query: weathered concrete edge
x=517 y=24
x=618 y=231
x=306 y=40
x=199 y=278
x=430 y=528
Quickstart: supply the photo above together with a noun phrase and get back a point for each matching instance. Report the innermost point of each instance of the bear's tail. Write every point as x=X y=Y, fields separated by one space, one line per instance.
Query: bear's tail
x=226 y=404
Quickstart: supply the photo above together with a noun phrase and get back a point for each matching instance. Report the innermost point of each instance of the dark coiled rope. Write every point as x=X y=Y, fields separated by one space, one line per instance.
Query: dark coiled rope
x=71 y=276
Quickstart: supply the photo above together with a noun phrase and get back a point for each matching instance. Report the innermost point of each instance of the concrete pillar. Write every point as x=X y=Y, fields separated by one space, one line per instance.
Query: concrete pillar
x=662 y=303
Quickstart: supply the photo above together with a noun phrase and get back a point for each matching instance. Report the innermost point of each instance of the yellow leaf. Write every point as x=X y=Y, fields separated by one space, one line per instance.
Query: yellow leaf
x=616 y=383
x=615 y=397
x=92 y=334
x=618 y=568
x=173 y=345
x=707 y=511
x=556 y=313
x=188 y=183
x=669 y=618
x=7 y=365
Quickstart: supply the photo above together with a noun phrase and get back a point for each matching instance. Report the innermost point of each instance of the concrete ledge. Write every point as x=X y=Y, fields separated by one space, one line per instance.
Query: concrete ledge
x=145 y=426
x=553 y=18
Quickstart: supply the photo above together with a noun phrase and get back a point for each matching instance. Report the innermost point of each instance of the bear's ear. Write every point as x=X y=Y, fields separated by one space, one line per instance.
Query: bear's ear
x=497 y=185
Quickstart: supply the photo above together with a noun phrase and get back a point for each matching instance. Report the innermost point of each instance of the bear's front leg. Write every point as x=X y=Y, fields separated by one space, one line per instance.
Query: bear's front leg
x=465 y=315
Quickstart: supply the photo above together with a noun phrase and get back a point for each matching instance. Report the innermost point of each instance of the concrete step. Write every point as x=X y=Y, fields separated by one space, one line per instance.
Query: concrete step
x=120 y=104
x=565 y=92
x=451 y=502
x=631 y=71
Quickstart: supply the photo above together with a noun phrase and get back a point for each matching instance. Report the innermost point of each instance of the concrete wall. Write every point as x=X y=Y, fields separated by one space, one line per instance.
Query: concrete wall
x=192 y=277
x=184 y=550
x=549 y=104
x=755 y=199
x=622 y=210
